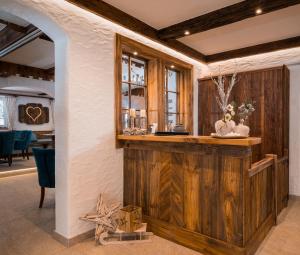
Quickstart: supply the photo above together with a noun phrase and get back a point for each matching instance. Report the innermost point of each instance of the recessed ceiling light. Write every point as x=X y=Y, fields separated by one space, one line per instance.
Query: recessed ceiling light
x=172 y=66
x=186 y=32
x=135 y=53
x=258 y=11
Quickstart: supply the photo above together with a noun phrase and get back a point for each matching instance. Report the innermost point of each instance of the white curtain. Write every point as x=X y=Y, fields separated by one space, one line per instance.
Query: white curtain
x=10 y=110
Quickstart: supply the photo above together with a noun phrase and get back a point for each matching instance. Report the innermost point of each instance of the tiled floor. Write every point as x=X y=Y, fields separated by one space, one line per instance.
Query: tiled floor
x=26 y=230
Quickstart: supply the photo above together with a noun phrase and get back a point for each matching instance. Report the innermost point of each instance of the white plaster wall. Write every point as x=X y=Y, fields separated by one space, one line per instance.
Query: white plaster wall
x=294 y=129
x=43 y=127
x=260 y=61
x=87 y=161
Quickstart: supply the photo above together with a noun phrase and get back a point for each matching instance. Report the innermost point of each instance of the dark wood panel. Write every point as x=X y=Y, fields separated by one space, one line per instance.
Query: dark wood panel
x=269 y=88
x=13 y=26
x=227 y=15
x=171 y=169
x=255 y=49
x=33 y=114
x=10 y=35
x=10 y=69
x=204 y=191
x=258 y=202
x=282 y=185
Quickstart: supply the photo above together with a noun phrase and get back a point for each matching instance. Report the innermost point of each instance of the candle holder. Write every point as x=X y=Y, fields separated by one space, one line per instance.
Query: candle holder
x=132 y=122
x=125 y=120
x=143 y=122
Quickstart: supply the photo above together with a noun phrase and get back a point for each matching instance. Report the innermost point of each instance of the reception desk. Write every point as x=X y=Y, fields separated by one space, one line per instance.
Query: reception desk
x=201 y=192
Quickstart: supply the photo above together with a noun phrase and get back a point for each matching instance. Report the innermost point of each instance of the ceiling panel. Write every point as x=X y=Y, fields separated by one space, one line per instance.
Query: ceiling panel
x=261 y=29
x=160 y=14
x=13 y=19
x=38 y=53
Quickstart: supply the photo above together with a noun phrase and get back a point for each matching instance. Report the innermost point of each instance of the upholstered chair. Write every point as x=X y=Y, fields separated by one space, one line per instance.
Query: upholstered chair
x=45 y=162
x=22 y=141
x=7 y=139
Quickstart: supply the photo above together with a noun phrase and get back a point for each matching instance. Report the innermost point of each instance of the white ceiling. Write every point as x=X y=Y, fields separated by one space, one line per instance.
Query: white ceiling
x=270 y=27
x=261 y=29
x=163 y=13
x=38 y=53
x=13 y=19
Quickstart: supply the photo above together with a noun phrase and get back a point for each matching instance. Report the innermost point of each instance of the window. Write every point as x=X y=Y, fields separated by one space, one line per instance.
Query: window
x=152 y=81
x=2 y=112
x=171 y=97
x=134 y=86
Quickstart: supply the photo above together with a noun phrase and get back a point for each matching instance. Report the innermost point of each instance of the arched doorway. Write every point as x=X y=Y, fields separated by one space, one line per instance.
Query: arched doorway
x=60 y=39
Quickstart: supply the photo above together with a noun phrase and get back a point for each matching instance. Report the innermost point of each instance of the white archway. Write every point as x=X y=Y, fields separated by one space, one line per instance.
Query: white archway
x=60 y=38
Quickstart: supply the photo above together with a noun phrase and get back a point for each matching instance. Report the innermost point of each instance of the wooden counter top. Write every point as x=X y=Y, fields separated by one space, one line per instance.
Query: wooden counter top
x=191 y=139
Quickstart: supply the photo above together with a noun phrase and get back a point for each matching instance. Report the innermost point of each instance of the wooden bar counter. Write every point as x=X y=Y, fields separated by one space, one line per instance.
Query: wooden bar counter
x=201 y=192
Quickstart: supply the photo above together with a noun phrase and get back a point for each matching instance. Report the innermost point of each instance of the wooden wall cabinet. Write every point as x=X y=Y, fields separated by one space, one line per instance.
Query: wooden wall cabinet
x=156 y=63
x=269 y=88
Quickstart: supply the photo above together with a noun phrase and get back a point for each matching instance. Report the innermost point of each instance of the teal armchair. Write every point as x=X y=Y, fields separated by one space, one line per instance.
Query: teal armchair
x=7 y=146
x=22 y=141
x=45 y=162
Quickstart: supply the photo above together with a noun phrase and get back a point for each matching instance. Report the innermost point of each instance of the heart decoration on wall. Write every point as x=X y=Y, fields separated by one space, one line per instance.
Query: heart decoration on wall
x=33 y=112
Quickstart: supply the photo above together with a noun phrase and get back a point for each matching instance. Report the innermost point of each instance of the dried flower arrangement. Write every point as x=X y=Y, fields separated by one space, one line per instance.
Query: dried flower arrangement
x=223 y=97
x=245 y=110
x=230 y=112
x=226 y=124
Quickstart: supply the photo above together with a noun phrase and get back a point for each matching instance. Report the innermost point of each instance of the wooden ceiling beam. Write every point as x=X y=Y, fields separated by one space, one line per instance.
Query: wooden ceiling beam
x=115 y=15
x=10 y=69
x=13 y=26
x=11 y=40
x=45 y=37
x=51 y=71
x=9 y=36
x=225 y=16
x=257 y=49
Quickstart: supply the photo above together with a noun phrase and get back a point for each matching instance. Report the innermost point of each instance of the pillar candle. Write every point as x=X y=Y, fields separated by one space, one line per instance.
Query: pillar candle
x=143 y=113
x=132 y=112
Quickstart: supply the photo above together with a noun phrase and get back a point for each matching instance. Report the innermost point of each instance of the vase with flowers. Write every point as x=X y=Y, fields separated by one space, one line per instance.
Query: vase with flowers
x=226 y=125
x=243 y=112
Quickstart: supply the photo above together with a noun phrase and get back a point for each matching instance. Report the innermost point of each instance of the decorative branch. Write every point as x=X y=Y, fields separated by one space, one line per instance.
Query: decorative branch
x=223 y=96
